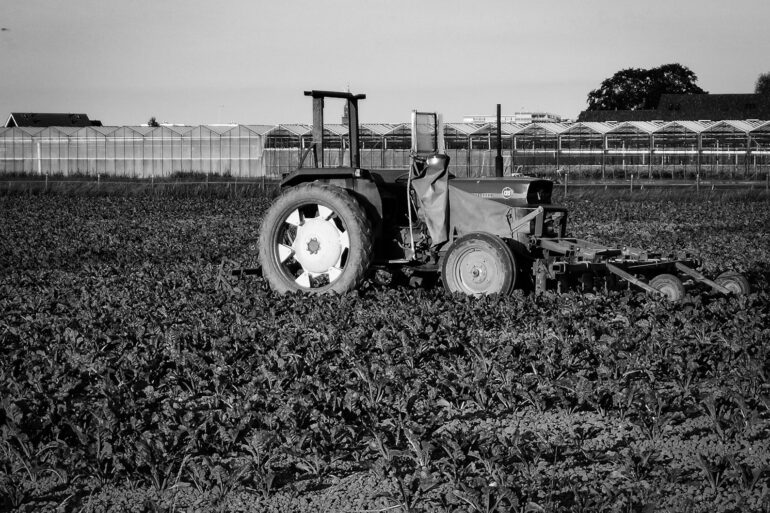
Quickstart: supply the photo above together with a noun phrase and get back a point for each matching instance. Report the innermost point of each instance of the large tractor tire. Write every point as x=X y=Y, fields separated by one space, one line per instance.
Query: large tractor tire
x=734 y=282
x=315 y=238
x=478 y=264
x=669 y=285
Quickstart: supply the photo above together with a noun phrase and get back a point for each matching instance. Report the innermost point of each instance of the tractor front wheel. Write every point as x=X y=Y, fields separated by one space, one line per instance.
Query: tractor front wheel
x=668 y=285
x=734 y=282
x=477 y=264
x=315 y=238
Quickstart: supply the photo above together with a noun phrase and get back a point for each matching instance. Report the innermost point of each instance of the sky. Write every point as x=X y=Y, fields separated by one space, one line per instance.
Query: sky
x=248 y=61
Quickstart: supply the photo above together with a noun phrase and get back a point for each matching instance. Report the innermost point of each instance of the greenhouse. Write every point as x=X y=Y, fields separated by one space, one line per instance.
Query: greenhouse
x=679 y=150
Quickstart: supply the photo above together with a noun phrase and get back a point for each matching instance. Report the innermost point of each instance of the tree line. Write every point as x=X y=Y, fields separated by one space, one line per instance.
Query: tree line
x=641 y=89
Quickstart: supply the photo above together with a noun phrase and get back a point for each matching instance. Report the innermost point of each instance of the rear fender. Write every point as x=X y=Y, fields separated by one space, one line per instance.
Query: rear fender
x=367 y=194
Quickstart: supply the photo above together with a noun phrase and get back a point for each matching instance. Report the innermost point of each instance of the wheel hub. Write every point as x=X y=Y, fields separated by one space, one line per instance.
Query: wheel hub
x=313 y=246
x=318 y=245
x=474 y=271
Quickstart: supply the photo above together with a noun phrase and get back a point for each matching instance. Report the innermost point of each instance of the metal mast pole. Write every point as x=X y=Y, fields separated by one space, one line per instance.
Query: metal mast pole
x=499 y=157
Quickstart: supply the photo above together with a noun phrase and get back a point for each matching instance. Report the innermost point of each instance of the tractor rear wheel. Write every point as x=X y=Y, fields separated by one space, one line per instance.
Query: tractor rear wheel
x=315 y=238
x=669 y=285
x=734 y=282
x=477 y=264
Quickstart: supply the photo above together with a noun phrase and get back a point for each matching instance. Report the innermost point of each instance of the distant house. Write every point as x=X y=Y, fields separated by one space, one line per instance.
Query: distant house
x=520 y=118
x=47 y=119
x=691 y=107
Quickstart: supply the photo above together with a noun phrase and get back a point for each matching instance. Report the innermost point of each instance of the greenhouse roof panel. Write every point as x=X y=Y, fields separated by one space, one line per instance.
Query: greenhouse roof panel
x=260 y=129
x=465 y=128
x=381 y=128
x=551 y=128
x=595 y=126
x=89 y=133
x=181 y=129
x=297 y=129
x=764 y=126
x=220 y=129
x=105 y=130
x=740 y=126
x=67 y=130
x=144 y=130
x=693 y=126
x=505 y=128
x=755 y=123
x=647 y=127
x=337 y=128
x=511 y=128
x=31 y=130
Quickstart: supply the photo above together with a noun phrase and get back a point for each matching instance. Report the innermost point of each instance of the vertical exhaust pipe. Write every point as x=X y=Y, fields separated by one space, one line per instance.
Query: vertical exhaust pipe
x=499 y=157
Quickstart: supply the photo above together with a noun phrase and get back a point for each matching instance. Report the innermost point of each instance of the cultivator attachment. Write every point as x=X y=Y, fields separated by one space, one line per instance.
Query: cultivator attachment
x=571 y=262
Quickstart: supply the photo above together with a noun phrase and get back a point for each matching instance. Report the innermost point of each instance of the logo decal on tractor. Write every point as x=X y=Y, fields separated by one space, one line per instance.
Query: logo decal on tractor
x=507 y=192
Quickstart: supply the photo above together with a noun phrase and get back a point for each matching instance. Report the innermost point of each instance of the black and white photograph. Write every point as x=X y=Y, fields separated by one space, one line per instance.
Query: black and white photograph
x=375 y=256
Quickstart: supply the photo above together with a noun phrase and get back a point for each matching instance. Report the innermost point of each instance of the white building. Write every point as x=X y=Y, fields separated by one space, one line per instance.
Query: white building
x=520 y=118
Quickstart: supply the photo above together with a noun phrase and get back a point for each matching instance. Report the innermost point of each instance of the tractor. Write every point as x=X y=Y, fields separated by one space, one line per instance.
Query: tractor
x=331 y=226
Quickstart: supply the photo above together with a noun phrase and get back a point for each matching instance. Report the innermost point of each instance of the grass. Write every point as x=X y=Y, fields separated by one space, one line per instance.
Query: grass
x=195 y=184
x=598 y=192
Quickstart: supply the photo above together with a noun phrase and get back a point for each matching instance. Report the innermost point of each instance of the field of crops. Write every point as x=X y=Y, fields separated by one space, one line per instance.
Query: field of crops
x=135 y=375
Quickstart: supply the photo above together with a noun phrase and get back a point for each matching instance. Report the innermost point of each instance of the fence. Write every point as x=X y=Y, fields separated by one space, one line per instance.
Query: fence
x=674 y=151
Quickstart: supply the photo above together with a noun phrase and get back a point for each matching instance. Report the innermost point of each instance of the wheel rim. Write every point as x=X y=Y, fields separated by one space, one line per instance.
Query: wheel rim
x=732 y=285
x=670 y=292
x=668 y=285
x=312 y=246
x=478 y=271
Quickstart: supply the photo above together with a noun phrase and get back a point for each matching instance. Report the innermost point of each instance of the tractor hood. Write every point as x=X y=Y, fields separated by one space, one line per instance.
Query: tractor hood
x=512 y=191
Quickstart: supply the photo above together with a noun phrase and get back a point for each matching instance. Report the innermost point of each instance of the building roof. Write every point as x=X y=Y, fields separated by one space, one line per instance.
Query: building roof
x=716 y=106
x=691 y=107
x=42 y=119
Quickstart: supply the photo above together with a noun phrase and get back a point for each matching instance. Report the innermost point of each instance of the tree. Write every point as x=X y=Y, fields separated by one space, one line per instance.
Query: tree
x=153 y=122
x=763 y=84
x=635 y=88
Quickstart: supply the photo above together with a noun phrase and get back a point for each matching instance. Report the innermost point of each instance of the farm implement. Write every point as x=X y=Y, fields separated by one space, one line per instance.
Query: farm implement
x=330 y=226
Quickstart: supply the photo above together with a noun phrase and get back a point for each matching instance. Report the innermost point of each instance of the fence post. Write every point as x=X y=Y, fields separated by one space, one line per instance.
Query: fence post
x=566 y=179
x=698 y=164
x=632 y=182
x=604 y=155
x=652 y=148
x=39 y=160
x=747 y=156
